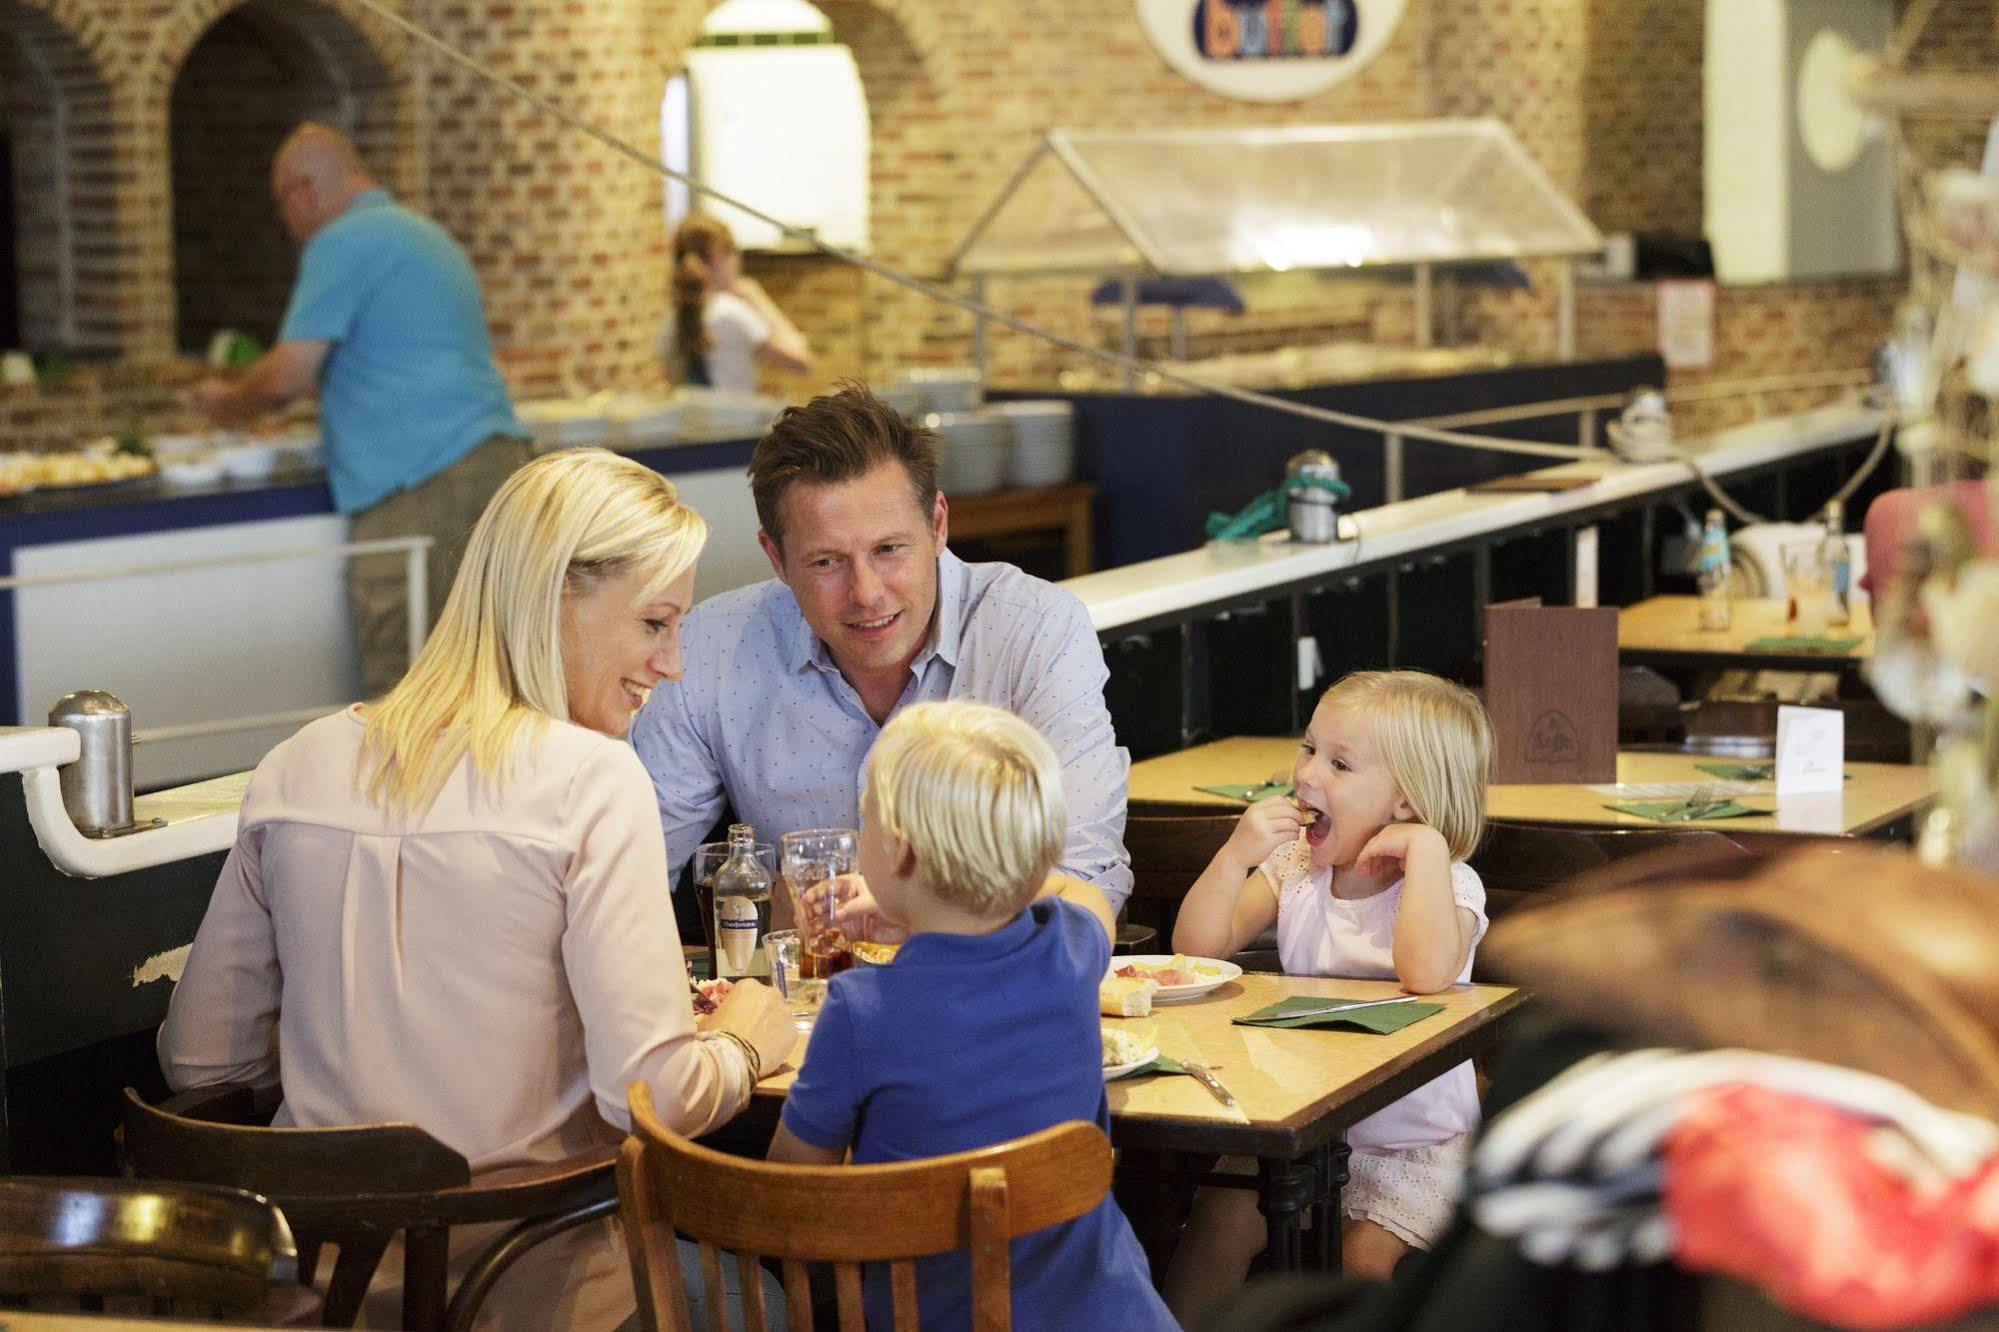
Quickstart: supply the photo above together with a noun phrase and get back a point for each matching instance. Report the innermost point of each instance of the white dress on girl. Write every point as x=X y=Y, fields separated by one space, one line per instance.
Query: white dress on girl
x=1407 y=1157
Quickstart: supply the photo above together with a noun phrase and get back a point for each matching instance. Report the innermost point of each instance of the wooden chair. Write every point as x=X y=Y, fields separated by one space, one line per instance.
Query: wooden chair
x=1168 y=852
x=359 y=1187
x=179 y=1249
x=843 y=1215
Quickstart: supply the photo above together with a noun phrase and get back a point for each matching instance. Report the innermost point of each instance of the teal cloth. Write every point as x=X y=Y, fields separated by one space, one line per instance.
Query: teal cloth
x=1684 y=811
x=1799 y=643
x=1249 y=795
x=1381 y=1021
x=1163 y=1064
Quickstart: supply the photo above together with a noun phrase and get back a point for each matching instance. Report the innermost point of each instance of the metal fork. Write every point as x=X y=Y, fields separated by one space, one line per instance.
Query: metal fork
x=1701 y=803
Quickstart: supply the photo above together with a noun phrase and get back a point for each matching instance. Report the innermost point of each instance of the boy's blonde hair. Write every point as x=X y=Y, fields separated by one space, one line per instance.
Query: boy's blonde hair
x=977 y=794
x=492 y=670
x=1436 y=742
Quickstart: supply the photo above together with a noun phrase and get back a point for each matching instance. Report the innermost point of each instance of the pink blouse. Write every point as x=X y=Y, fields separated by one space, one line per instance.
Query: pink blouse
x=1319 y=934
x=497 y=969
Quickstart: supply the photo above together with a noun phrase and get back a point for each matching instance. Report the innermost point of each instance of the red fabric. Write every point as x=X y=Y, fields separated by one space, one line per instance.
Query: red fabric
x=1784 y=1193
x=1891 y=520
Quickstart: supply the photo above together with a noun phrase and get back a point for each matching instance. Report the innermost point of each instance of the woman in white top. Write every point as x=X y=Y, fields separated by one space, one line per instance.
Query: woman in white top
x=450 y=907
x=722 y=323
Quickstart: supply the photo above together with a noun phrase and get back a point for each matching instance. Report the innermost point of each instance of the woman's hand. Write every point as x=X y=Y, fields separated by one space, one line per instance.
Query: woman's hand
x=1264 y=827
x=1392 y=846
x=760 y=1016
x=855 y=909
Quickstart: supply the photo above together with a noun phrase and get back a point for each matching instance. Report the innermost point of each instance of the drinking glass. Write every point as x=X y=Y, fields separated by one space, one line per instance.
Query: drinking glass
x=803 y=997
x=811 y=858
x=709 y=857
x=1809 y=579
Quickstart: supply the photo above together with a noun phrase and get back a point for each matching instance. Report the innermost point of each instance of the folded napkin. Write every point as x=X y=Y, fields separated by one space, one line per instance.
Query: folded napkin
x=1249 y=795
x=1380 y=1020
x=1163 y=1064
x=1744 y=772
x=1800 y=643
x=1685 y=811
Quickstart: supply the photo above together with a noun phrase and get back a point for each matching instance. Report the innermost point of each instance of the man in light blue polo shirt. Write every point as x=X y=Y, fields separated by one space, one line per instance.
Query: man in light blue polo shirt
x=385 y=321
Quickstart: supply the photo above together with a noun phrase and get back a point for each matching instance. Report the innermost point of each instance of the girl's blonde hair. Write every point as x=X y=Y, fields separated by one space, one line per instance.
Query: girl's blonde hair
x=977 y=793
x=492 y=670
x=1436 y=742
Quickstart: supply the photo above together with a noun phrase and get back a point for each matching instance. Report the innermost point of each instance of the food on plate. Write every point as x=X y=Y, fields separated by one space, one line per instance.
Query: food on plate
x=875 y=954
x=32 y=471
x=1179 y=971
x=709 y=994
x=1126 y=996
x=1124 y=1047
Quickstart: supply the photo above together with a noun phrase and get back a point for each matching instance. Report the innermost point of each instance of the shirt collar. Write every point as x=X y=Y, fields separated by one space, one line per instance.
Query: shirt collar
x=929 y=949
x=374 y=198
x=804 y=648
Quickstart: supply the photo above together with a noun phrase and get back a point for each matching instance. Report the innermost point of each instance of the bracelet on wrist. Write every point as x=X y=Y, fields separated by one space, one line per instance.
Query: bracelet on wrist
x=749 y=1055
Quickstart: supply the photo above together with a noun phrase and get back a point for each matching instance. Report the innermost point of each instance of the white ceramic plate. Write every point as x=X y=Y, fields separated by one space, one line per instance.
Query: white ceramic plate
x=1221 y=973
x=1112 y=1072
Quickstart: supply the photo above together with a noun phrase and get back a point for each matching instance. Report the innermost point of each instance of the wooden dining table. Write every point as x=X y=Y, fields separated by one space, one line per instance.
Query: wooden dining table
x=1297 y=1091
x=1875 y=795
x=1666 y=631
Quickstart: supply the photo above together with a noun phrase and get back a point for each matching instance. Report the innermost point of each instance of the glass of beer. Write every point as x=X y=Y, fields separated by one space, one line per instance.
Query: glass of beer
x=813 y=859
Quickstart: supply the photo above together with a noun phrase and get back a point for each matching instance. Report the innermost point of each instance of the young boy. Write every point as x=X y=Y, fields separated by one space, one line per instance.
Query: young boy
x=985 y=1026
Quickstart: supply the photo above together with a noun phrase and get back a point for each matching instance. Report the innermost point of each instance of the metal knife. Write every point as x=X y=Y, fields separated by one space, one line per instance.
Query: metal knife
x=1210 y=1081
x=1342 y=1008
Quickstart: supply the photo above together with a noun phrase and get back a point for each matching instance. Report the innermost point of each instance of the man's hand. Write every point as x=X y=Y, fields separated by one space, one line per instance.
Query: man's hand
x=855 y=909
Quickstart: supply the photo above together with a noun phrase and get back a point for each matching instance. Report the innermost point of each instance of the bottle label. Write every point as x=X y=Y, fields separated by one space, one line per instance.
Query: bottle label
x=736 y=932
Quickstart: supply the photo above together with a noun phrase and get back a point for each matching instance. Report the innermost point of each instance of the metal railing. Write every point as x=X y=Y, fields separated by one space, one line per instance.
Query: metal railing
x=416 y=572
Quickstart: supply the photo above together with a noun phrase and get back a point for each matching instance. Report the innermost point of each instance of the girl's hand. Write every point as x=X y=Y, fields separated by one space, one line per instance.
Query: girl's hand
x=855 y=909
x=1263 y=828
x=1392 y=846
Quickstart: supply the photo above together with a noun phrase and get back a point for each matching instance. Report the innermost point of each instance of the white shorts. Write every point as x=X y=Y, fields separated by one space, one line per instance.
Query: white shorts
x=1410 y=1192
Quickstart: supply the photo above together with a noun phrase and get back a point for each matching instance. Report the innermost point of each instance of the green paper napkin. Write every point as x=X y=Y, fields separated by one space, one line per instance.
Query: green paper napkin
x=1681 y=811
x=1744 y=772
x=1381 y=1021
x=1249 y=795
x=1163 y=1064
x=1799 y=643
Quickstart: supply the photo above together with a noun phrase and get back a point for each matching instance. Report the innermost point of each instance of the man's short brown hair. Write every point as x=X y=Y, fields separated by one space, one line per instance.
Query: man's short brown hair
x=837 y=437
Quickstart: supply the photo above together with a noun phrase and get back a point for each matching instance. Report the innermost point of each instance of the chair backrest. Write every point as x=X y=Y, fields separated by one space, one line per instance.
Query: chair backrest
x=185 y=1249
x=1167 y=854
x=843 y=1215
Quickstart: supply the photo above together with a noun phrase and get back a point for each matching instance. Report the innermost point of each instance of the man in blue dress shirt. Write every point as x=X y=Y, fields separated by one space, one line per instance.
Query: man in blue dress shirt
x=386 y=323
x=788 y=683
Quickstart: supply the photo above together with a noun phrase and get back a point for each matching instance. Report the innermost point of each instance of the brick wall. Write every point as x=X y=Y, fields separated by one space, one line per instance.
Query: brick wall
x=568 y=241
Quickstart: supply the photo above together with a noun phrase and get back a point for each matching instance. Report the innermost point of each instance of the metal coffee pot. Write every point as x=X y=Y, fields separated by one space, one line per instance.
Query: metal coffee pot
x=1312 y=490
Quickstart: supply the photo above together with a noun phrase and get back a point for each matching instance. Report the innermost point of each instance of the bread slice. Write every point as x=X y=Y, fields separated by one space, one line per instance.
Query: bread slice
x=1125 y=996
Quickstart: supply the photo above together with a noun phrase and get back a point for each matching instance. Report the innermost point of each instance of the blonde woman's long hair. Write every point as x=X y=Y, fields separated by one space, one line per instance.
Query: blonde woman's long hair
x=492 y=671
x=1436 y=742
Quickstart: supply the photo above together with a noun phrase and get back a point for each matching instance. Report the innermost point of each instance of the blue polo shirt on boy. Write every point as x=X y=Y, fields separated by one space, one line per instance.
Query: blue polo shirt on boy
x=965 y=1041
x=409 y=386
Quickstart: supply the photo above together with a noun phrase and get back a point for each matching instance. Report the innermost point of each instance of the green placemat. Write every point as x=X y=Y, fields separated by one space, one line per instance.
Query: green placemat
x=1803 y=644
x=1249 y=795
x=1380 y=1021
x=1684 y=811
x=1163 y=1064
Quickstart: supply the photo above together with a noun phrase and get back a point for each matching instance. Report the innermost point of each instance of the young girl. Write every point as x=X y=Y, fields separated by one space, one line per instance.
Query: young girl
x=723 y=323
x=1364 y=875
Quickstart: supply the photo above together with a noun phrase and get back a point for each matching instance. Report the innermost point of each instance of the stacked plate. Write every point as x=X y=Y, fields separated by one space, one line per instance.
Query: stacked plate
x=945 y=390
x=1044 y=441
x=974 y=448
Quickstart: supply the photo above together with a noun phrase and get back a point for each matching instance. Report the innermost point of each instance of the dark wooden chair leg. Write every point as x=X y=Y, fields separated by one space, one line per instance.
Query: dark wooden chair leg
x=355 y=1267
x=426 y=1255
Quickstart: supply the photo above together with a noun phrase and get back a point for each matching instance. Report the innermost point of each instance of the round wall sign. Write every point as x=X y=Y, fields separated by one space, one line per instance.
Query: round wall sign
x=1269 y=50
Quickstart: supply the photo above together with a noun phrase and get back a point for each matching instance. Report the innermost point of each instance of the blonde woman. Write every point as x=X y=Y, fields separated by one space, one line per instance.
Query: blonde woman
x=723 y=323
x=1364 y=875
x=450 y=906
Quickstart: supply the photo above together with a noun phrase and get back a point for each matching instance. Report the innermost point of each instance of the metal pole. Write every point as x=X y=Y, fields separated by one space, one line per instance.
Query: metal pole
x=979 y=332
x=1392 y=483
x=1565 y=312
x=1453 y=298
x=1179 y=333
x=1426 y=310
x=419 y=599
x=1586 y=428
x=1130 y=287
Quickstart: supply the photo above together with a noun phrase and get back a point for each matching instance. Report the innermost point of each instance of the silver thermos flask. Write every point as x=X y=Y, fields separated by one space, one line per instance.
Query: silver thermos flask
x=1311 y=512
x=97 y=788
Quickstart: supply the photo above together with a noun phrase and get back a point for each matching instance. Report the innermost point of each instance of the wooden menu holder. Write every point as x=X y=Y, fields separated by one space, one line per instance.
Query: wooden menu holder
x=1551 y=691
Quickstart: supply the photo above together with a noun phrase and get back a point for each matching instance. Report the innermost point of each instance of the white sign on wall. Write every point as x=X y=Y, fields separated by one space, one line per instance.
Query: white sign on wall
x=1269 y=50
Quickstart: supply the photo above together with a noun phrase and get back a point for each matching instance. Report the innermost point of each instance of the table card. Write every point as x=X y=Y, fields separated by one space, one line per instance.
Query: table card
x=1551 y=691
x=1811 y=749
